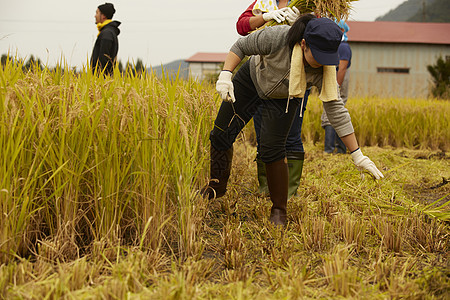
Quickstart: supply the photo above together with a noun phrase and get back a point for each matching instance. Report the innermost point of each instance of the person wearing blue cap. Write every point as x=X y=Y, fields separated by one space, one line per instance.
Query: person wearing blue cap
x=255 y=16
x=332 y=141
x=285 y=61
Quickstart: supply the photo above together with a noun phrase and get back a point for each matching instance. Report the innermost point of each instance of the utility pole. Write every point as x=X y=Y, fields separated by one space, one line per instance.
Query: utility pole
x=424 y=11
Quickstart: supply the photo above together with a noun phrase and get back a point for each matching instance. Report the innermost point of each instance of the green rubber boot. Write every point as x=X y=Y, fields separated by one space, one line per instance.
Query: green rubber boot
x=263 y=188
x=295 y=164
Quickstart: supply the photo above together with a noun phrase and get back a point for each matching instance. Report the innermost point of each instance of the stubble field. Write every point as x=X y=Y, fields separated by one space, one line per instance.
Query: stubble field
x=99 y=198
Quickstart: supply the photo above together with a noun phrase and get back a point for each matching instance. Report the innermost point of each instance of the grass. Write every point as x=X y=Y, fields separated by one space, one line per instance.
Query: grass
x=99 y=199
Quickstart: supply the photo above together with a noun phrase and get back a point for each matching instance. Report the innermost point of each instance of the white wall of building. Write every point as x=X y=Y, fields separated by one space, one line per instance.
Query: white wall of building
x=369 y=60
x=202 y=70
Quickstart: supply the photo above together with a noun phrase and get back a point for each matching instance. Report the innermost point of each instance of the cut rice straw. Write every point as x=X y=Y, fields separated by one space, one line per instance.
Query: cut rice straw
x=335 y=9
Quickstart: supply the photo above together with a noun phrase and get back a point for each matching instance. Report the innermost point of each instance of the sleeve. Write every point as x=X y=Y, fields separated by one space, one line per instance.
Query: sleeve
x=243 y=22
x=262 y=42
x=344 y=52
x=339 y=117
x=104 y=51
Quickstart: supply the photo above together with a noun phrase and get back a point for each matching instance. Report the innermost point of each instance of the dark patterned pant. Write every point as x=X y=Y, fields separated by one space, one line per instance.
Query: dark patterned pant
x=275 y=121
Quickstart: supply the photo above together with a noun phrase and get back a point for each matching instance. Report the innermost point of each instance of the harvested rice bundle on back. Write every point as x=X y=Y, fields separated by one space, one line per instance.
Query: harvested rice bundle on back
x=338 y=9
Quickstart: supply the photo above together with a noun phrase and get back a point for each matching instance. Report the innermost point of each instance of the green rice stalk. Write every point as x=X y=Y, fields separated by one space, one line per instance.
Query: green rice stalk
x=90 y=160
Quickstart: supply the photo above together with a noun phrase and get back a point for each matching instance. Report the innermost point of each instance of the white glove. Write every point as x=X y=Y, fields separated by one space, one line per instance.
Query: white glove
x=364 y=163
x=224 y=86
x=278 y=15
x=291 y=14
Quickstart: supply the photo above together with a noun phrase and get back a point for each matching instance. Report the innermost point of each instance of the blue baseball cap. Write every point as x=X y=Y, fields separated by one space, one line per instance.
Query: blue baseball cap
x=323 y=37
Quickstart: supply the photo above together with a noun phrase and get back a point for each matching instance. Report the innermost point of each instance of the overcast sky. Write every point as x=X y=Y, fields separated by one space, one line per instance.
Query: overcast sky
x=150 y=30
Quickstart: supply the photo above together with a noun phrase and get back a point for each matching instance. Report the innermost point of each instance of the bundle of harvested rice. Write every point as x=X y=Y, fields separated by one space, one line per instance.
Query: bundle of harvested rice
x=338 y=9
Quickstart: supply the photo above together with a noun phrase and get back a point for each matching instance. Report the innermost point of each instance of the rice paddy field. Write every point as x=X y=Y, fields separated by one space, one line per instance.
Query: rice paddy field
x=99 y=182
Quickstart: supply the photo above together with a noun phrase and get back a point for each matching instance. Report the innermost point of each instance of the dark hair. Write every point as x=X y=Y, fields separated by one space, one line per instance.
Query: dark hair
x=295 y=34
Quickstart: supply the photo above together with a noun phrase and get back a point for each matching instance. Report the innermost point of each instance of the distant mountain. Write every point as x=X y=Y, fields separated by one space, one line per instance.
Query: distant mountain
x=172 y=69
x=437 y=12
x=405 y=11
x=419 y=11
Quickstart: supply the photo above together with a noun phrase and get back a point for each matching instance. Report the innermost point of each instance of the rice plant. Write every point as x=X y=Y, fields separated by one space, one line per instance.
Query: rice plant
x=87 y=158
x=99 y=197
x=411 y=123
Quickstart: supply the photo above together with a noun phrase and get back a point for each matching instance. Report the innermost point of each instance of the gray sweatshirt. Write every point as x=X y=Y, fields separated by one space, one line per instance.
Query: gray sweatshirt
x=270 y=64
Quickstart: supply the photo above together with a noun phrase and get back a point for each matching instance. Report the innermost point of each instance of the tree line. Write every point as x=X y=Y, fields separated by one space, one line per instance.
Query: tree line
x=33 y=63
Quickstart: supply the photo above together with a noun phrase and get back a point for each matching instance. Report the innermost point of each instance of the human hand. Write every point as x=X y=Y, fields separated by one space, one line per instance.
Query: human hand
x=364 y=163
x=224 y=86
x=291 y=14
x=278 y=15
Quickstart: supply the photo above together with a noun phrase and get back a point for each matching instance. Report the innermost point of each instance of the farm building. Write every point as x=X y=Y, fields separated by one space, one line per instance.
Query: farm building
x=391 y=58
x=203 y=64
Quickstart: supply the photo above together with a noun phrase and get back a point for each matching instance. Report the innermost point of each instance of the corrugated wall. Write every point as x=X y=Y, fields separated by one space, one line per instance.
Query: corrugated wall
x=366 y=80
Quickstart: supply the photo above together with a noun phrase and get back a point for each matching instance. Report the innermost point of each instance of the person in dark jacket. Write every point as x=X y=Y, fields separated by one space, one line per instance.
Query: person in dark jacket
x=107 y=45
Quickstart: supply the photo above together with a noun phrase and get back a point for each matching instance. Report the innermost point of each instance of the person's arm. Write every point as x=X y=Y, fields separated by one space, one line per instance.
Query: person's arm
x=231 y=62
x=345 y=55
x=341 y=122
x=340 y=119
x=246 y=21
x=262 y=42
x=341 y=71
x=350 y=142
x=94 y=59
x=104 y=53
x=256 y=22
x=224 y=84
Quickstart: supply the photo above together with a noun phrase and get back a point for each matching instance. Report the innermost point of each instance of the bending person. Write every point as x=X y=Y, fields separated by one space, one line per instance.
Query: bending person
x=255 y=16
x=306 y=55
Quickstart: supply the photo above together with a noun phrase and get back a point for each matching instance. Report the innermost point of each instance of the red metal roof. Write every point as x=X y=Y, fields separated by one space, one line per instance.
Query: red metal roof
x=207 y=57
x=399 y=32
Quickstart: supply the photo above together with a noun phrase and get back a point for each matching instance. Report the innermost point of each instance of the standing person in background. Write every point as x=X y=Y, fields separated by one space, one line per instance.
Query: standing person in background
x=255 y=16
x=332 y=140
x=106 y=46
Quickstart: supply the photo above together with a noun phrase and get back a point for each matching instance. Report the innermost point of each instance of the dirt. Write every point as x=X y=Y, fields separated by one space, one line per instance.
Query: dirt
x=430 y=192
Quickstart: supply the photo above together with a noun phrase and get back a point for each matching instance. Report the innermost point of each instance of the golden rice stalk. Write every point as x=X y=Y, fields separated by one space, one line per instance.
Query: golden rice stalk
x=339 y=9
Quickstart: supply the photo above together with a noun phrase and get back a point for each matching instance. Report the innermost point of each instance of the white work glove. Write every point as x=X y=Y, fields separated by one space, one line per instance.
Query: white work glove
x=291 y=14
x=364 y=163
x=225 y=87
x=278 y=15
